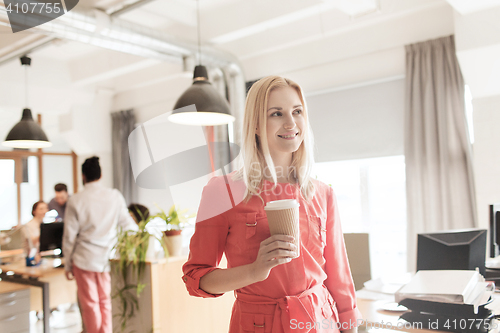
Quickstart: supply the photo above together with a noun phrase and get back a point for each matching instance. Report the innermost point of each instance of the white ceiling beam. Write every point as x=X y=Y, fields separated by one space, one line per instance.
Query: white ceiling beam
x=275 y=22
x=465 y=7
x=150 y=76
x=477 y=41
x=355 y=8
x=259 y=46
x=106 y=65
x=182 y=12
x=23 y=46
x=161 y=13
x=402 y=27
x=349 y=7
x=242 y=17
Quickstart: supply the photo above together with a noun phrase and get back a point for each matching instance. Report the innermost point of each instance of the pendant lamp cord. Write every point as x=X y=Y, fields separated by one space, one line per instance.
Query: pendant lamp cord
x=198 y=25
x=26 y=85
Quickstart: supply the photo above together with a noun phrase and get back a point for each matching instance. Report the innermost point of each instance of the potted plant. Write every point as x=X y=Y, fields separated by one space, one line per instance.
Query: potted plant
x=131 y=251
x=176 y=221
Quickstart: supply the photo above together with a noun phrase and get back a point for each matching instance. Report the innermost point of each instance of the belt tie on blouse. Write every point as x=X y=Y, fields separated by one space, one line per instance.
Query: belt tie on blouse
x=289 y=304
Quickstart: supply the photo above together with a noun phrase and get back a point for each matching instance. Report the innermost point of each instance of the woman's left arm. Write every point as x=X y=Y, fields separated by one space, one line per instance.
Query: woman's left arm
x=339 y=281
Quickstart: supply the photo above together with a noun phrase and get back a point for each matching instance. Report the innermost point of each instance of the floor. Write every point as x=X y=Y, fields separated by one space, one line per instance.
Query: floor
x=64 y=320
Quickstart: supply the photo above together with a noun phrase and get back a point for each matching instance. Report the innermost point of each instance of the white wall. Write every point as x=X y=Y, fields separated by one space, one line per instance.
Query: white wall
x=149 y=102
x=50 y=93
x=372 y=53
x=486 y=151
x=360 y=122
x=478 y=51
x=368 y=52
x=73 y=118
x=87 y=130
x=56 y=169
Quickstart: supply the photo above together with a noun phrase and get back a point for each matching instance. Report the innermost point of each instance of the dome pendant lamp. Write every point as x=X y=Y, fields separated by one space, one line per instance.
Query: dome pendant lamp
x=26 y=133
x=211 y=108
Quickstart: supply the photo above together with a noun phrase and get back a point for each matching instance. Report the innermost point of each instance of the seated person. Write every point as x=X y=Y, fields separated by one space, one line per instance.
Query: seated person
x=31 y=231
x=138 y=212
x=60 y=200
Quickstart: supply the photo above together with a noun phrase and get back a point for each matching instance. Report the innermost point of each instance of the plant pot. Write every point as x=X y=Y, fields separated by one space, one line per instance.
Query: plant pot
x=172 y=232
x=173 y=241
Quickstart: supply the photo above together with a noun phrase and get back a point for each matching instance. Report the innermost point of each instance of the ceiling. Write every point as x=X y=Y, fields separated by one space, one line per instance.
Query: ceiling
x=249 y=30
x=246 y=29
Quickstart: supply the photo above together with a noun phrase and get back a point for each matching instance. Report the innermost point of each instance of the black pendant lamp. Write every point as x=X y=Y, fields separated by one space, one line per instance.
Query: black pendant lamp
x=26 y=133
x=211 y=108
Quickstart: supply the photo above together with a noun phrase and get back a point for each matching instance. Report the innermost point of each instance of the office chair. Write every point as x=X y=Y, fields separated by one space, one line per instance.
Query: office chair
x=358 y=252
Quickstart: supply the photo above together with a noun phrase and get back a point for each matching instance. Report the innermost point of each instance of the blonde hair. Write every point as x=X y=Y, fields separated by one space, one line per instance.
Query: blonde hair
x=255 y=149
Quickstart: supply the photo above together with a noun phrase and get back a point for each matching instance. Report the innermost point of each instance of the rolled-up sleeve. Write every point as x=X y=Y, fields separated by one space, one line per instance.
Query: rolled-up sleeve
x=339 y=281
x=71 y=229
x=208 y=242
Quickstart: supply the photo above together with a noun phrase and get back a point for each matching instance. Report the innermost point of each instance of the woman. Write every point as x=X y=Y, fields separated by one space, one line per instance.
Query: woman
x=31 y=231
x=138 y=212
x=275 y=290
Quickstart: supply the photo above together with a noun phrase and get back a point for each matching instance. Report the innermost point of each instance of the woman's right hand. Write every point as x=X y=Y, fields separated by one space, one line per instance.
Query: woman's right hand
x=273 y=251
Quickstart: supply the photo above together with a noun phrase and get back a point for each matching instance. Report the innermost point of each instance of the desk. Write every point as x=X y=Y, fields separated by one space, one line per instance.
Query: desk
x=14 y=307
x=50 y=279
x=375 y=318
x=10 y=253
x=165 y=305
x=371 y=313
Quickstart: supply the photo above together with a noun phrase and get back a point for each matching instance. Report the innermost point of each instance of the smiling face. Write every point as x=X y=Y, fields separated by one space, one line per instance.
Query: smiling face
x=61 y=197
x=285 y=121
x=41 y=209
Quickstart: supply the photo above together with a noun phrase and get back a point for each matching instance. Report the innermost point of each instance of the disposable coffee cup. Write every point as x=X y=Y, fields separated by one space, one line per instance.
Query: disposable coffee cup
x=283 y=219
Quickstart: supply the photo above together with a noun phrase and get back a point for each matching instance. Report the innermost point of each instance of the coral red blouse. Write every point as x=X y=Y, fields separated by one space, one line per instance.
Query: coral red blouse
x=312 y=293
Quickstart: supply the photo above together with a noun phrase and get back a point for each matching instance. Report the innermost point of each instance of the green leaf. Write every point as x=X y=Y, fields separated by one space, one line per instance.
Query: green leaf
x=175 y=219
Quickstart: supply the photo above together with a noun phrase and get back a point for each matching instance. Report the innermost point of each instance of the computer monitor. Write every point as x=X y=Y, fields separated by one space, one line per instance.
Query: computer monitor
x=455 y=249
x=51 y=235
x=494 y=230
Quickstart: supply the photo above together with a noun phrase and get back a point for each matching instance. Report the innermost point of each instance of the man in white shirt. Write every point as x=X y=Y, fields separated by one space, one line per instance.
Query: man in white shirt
x=90 y=228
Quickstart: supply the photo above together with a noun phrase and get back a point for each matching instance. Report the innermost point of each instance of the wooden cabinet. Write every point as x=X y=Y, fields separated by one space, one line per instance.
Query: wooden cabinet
x=14 y=308
x=165 y=305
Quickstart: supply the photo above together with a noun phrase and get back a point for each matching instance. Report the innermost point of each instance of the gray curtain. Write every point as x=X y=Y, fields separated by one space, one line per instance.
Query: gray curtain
x=439 y=176
x=122 y=124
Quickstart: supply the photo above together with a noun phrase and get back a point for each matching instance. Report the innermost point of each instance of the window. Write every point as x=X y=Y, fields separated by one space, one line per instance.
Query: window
x=8 y=194
x=19 y=189
x=372 y=199
x=469 y=113
x=22 y=176
x=30 y=192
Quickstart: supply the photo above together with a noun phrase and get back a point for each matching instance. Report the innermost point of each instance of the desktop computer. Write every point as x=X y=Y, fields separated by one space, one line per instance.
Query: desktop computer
x=455 y=249
x=51 y=235
x=494 y=230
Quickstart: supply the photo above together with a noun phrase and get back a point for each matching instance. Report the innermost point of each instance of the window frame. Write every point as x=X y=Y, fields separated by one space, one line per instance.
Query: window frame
x=18 y=155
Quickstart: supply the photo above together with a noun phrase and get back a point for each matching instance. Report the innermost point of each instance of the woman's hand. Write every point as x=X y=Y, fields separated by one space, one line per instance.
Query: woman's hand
x=274 y=251
x=69 y=275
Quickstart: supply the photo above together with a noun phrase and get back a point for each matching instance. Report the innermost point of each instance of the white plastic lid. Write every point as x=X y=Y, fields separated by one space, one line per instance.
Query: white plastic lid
x=282 y=204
